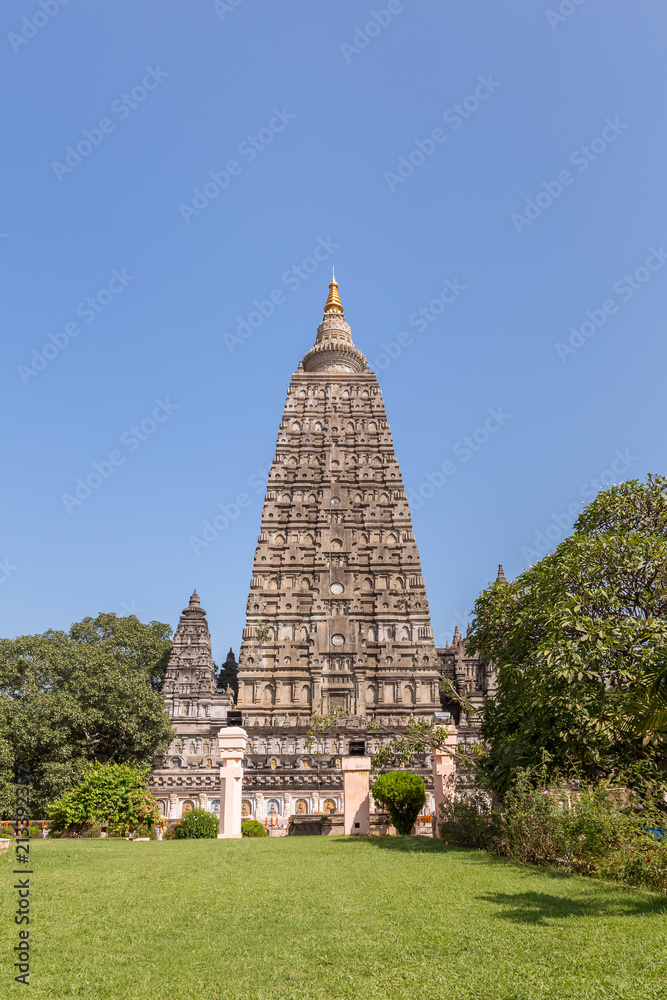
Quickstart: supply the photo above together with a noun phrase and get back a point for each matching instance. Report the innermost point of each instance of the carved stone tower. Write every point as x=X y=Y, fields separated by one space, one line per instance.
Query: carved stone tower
x=186 y=776
x=337 y=614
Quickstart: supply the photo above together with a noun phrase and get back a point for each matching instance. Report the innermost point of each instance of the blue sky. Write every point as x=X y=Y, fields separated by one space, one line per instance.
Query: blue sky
x=514 y=150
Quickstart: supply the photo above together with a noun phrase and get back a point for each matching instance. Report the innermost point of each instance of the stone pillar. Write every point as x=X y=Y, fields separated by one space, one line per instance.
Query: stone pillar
x=444 y=766
x=233 y=743
x=356 y=795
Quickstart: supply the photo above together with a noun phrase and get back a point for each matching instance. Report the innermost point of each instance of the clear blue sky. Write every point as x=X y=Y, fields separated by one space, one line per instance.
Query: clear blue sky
x=170 y=92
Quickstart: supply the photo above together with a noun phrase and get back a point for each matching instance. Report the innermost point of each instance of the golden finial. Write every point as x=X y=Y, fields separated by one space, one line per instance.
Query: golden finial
x=333 y=303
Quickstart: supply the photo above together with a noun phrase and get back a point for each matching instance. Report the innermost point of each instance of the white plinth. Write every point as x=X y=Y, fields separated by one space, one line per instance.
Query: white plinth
x=444 y=766
x=232 y=743
x=356 y=783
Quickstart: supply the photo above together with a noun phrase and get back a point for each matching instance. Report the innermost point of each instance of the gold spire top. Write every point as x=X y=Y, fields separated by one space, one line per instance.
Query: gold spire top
x=333 y=303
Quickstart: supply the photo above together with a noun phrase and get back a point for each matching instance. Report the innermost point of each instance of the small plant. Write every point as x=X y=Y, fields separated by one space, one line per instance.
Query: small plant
x=7 y=831
x=403 y=795
x=198 y=824
x=146 y=831
x=263 y=631
x=171 y=833
x=252 y=828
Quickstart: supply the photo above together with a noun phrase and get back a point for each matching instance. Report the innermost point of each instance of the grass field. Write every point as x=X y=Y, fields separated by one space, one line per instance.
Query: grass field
x=325 y=917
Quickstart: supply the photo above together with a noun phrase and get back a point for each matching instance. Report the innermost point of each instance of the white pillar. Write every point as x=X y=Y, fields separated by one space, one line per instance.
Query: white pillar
x=356 y=802
x=444 y=766
x=233 y=743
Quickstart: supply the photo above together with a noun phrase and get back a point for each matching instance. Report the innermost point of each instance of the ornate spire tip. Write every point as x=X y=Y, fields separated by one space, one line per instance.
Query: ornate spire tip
x=333 y=303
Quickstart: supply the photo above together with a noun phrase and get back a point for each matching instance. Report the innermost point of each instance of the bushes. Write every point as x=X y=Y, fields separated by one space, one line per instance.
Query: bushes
x=252 y=828
x=595 y=832
x=198 y=824
x=171 y=832
x=403 y=795
x=113 y=794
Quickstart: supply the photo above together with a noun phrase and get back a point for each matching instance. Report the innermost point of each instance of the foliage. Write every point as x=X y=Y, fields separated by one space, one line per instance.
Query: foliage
x=252 y=828
x=110 y=794
x=171 y=833
x=197 y=824
x=67 y=699
x=403 y=795
x=420 y=737
x=648 y=709
x=595 y=831
x=467 y=819
x=264 y=633
x=577 y=639
x=7 y=831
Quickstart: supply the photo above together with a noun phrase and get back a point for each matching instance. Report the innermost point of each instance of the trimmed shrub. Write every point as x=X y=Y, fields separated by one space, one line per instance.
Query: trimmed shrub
x=198 y=824
x=403 y=795
x=7 y=831
x=253 y=828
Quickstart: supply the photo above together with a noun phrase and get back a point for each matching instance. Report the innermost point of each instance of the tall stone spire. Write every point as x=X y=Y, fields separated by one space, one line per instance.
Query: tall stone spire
x=190 y=672
x=337 y=613
x=501 y=578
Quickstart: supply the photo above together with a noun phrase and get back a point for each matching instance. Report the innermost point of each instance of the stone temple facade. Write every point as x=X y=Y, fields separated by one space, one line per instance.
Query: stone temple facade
x=337 y=614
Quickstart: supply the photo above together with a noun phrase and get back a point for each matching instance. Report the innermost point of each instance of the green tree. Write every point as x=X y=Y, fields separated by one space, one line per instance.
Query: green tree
x=109 y=794
x=403 y=795
x=67 y=699
x=576 y=639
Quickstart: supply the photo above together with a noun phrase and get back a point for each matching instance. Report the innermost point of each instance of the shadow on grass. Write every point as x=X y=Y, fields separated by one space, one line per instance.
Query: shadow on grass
x=404 y=845
x=539 y=907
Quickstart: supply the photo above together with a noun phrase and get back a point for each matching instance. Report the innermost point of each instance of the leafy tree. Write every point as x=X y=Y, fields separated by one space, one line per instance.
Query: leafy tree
x=198 y=824
x=252 y=828
x=67 y=699
x=109 y=794
x=403 y=795
x=576 y=640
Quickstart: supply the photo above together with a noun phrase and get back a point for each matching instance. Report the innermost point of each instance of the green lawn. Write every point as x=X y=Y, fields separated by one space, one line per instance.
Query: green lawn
x=325 y=917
